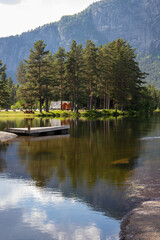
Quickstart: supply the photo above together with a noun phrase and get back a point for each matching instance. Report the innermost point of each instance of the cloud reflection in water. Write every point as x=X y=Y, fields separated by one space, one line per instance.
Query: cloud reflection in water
x=47 y=213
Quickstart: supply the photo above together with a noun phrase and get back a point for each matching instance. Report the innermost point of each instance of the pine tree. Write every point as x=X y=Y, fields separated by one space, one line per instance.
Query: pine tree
x=59 y=73
x=126 y=76
x=27 y=94
x=21 y=73
x=104 y=59
x=74 y=73
x=90 y=62
x=48 y=80
x=12 y=90
x=37 y=74
x=4 y=88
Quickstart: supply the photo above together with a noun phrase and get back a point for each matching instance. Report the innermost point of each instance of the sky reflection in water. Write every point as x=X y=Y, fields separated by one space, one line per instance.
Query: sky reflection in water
x=31 y=211
x=76 y=186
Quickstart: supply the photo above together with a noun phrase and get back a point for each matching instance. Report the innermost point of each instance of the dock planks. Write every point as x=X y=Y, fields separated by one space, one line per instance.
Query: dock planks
x=31 y=131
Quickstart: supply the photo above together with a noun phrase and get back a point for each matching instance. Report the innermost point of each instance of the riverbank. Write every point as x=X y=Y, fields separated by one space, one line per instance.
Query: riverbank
x=143 y=222
x=4 y=136
x=103 y=113
x=85 y=113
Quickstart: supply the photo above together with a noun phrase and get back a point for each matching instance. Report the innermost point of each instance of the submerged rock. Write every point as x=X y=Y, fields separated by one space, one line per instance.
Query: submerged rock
x=5 y=136
x=121 y=161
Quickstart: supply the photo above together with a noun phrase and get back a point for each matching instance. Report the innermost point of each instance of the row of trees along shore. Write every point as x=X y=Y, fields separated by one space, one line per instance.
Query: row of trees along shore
x=106 y=77
x=7 y=89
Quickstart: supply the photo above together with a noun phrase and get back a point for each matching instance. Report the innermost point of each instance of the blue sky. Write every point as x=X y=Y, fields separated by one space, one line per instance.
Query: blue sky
x=17 y=16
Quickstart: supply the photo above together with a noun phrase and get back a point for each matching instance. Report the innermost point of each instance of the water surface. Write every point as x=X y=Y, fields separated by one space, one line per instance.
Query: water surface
x=75 y=186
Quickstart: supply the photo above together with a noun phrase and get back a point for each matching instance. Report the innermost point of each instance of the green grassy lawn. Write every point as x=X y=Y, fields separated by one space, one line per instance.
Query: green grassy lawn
x=15 y=114
x=103 y=113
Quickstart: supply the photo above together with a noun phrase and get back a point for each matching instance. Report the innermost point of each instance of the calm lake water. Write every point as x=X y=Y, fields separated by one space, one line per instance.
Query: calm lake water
x=79 y=185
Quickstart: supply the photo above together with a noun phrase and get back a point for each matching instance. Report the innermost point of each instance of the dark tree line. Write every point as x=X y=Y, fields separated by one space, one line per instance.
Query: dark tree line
x=106 y=77
x=7 y=89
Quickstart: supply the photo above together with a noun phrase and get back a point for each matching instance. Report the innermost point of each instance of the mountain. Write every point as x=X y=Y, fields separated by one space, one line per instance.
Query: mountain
x=104 y=21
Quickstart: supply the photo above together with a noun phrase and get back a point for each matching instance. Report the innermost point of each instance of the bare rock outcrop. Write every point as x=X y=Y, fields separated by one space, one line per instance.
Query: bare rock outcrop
x=5 y=136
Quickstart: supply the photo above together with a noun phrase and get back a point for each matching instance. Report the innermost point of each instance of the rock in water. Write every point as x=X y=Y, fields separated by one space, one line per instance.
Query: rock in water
x=5 y=136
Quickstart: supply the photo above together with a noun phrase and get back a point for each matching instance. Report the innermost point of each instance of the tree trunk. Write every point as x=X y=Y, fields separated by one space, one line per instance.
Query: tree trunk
x=116 y=109
x=40 y=105
x=107 y=101
x=46 y=103
x=61 y=104
x=95 y=104
x=100 y=102
x=88 y=106
x=91 y=103
x=104 y=106
x=47 y=107
x=76 y=108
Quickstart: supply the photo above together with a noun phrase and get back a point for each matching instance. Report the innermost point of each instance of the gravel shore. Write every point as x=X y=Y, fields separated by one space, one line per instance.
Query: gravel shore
x=143 y=223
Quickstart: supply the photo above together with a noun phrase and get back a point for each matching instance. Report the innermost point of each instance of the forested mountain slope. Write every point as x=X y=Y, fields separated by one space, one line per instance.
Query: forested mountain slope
x=132 y=20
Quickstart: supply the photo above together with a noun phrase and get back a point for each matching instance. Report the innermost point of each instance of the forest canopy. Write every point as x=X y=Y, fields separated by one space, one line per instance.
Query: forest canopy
x=107 y=76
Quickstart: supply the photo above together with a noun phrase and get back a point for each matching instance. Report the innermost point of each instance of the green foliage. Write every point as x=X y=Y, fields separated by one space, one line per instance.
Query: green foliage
x=57 y=114
x=59 y=73
x=35 y=76
x=21 y=73
x=105 y=113
x=91 y=114
x=17 y=105
x=4 y=88
x=103 y=77
x=150 y=99
x=74 y=73
x=90 y=62
x=126 y=83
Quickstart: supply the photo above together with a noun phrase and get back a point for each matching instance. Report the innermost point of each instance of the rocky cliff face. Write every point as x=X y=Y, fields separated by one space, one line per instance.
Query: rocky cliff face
x=133 y=20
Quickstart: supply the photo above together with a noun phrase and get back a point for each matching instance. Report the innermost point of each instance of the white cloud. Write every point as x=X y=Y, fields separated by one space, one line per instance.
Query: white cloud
x=10 y=1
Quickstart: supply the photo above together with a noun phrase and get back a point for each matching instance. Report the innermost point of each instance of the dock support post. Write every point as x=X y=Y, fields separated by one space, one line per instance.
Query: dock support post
x=7 y=127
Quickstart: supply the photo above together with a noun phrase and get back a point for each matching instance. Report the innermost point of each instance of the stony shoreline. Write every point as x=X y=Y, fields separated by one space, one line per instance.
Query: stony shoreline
x=5 y=136
x=142 y=223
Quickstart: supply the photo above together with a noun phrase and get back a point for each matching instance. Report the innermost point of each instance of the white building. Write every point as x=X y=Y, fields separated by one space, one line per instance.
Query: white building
x=56 y=105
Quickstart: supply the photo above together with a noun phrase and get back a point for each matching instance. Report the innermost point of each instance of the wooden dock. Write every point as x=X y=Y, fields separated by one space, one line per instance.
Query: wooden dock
x=31 y=131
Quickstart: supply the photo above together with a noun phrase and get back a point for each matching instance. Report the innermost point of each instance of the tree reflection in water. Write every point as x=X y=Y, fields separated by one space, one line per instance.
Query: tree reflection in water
x=3 y=163
x=94 y=162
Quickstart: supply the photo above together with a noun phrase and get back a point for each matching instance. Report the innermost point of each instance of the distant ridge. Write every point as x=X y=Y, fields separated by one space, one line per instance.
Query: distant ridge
x=133 y=20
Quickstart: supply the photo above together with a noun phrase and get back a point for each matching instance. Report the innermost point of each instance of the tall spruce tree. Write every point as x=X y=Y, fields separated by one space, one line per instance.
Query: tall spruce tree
x=26 y=92
x=90 y=62
x=126 y=76
x=74 y=73
x=21 y=73
x=104 y=59
x=48 y=80
x=59 y=73
x=12 y=89
x=36 y=76
x=4 y=88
